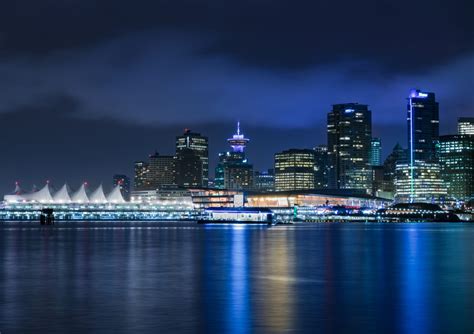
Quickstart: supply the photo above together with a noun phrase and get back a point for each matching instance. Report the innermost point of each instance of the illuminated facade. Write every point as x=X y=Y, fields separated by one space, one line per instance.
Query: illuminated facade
x=422 y=137
x=422 y=183
x=161 y=171
x=397 y=156
x=456 y=157
x=321 y=168
x=466 y=126
x=294 y=170
x=140 y=180
x=349 y=130
x=188 y=169
x=264 y=181
x=198 y=144
x=375 y=157
x=423 y=126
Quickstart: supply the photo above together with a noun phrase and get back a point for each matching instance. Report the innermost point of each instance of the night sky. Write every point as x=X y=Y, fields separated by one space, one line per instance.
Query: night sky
x=87 y=87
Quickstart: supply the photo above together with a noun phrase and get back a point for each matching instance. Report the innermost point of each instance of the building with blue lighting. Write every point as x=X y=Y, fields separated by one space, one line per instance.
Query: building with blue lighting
x=233 y=172
x=375 y=157
x=423 y=142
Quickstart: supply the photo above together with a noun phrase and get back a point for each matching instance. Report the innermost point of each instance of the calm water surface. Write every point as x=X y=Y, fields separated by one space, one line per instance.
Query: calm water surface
x=181 y=277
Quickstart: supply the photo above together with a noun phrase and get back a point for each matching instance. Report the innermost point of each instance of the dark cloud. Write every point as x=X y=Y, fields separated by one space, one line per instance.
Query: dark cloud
x=87 y=87
x=399 y=34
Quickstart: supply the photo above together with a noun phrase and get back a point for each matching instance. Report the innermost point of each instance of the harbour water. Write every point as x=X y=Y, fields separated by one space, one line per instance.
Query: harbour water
x=182 y=277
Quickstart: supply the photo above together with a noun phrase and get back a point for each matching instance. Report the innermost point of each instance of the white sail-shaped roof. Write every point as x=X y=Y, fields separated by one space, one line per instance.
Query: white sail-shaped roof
x=62 y=195
x=41 y=196
x=98 y=196
x=115 y=196
x=80 y=196
x=18 y=190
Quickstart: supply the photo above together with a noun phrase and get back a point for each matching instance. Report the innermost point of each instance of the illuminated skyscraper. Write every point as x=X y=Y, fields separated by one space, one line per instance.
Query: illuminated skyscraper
x=198 y=144
x=188 y=169
x=423 y=137
x=375 y=157
x=294 y=170
x=423 y=126
x=349 y=131
x=466 y=126
x=456 y=156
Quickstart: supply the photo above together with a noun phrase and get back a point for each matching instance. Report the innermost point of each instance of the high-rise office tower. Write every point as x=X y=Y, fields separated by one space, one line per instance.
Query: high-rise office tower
x=397 y=156
x=375 y=157
x=349 y=132
x=199 y=145
x=321 y=168
x=123 y=181
x=161 y=171
x=140 y=181
x=423 y=137
x=188 y=169
x=294 y=170
x=233 y=171
x=456 y=157
x=466 y=126
x=264 y=181
x=423 y=126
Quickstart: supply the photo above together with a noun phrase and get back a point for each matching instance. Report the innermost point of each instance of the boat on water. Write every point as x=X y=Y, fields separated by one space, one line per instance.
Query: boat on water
x=241 y=215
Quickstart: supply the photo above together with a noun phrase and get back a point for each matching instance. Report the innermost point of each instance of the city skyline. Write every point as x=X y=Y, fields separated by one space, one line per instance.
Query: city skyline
x=84 y=102
x=214 y=159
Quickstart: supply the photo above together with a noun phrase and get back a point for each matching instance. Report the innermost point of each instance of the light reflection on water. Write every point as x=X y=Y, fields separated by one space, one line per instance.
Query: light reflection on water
x=183 y=277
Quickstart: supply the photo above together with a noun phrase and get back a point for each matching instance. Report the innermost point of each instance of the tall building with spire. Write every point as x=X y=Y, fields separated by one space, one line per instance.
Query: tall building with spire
x=233 y=171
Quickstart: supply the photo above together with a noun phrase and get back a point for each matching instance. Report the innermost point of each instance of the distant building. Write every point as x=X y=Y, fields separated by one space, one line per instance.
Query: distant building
x=456 y=156
x=219 y=171
x=140 y=180
x=264 y=181
x=377 y=181
x=375 y=157
x=238 y=176
x=397 y=156
x=123 y=181
x=294 y=170
x=188 y=169
x=161 y=171
x=349 y=130
x=466 y=126
x=321 y=168
x=233 y=172
x=198 y=144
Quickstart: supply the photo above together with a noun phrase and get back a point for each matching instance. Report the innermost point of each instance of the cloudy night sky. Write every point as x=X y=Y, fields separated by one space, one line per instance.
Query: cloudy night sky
x=88 y=87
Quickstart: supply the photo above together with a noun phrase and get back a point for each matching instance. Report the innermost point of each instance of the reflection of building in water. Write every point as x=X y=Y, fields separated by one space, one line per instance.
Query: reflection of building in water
x=277 y=283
